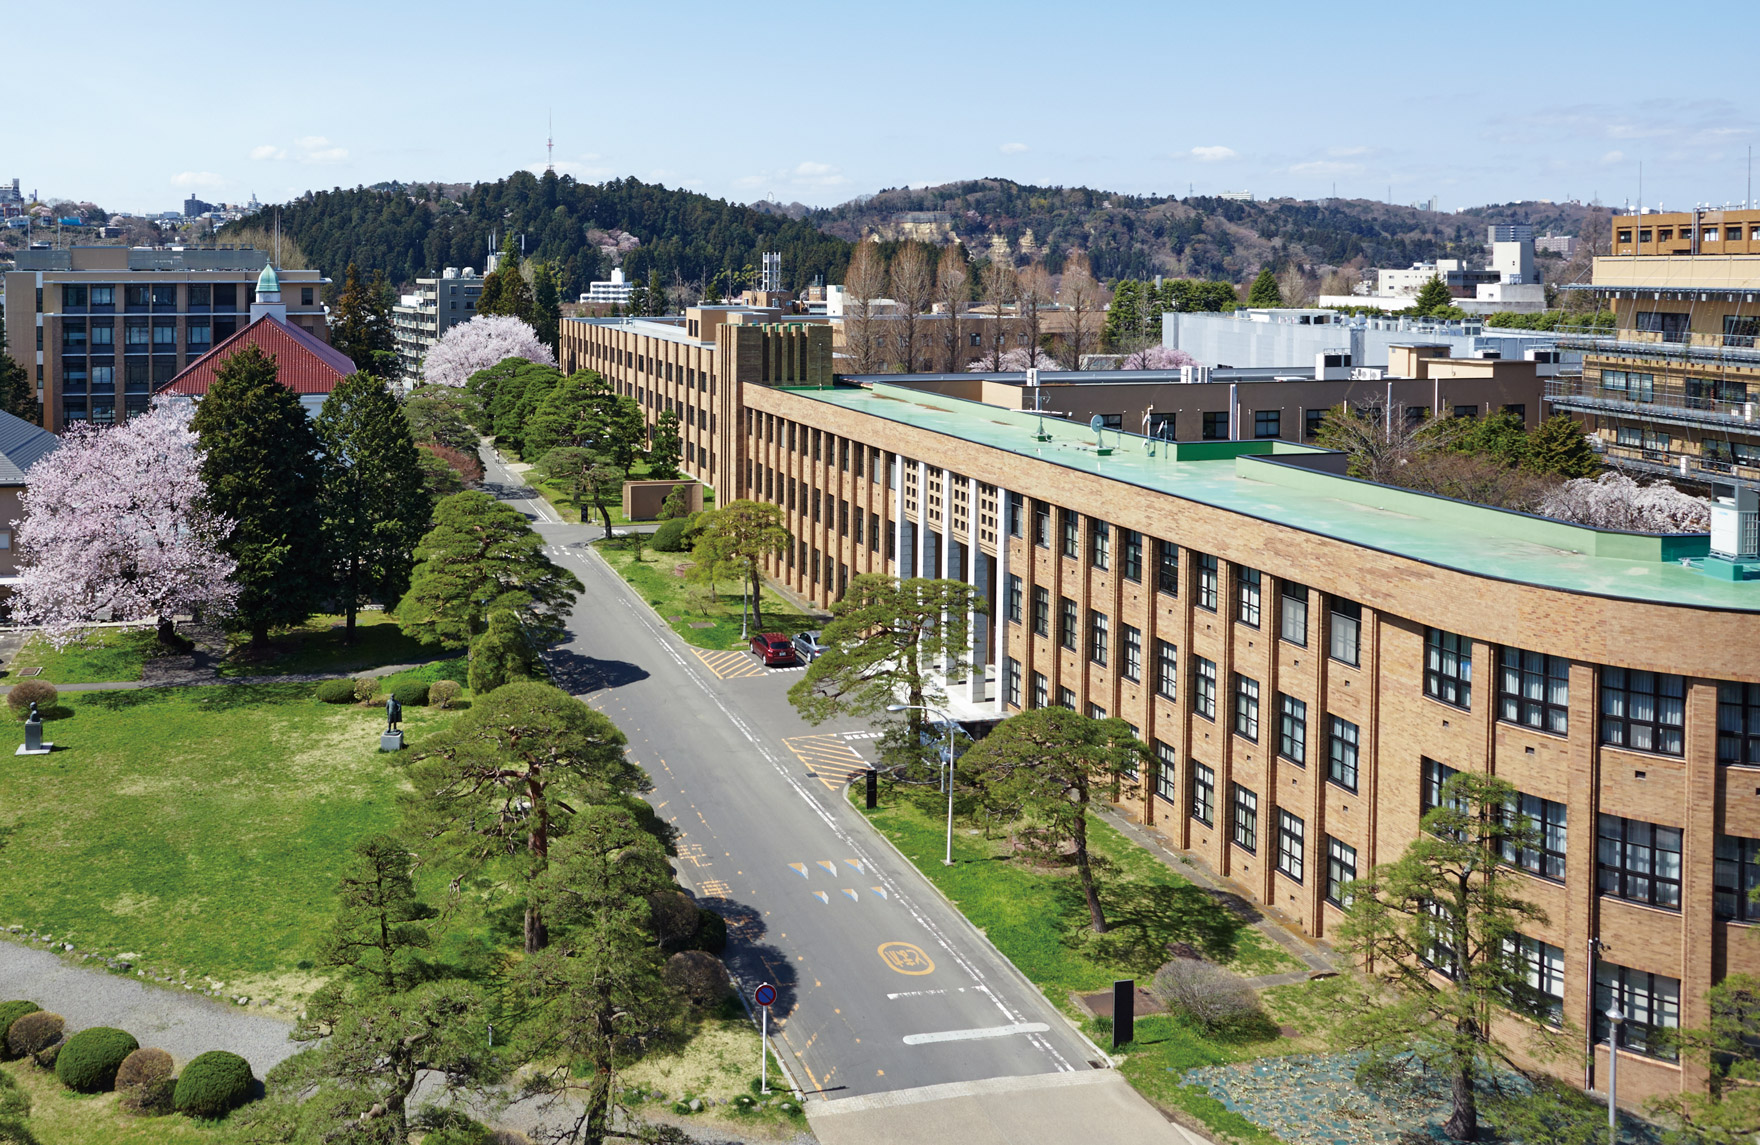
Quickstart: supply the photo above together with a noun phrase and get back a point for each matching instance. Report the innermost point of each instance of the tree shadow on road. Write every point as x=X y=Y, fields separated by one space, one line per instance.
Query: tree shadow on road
x=580 y=675
x=751 y=960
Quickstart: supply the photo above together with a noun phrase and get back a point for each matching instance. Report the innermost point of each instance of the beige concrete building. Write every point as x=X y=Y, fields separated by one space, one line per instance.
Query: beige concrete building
x=100 y=328
x=420 y=318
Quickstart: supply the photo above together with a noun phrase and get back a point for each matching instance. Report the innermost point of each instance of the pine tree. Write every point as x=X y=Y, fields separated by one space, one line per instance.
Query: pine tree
x=1433 y=298
x=262 y=471
x=18 y=396
x=656 y=294
x=546 y=303
x=375 y=503
x=1264 y=291
x=351 y=327
x=668 y=448
x=502 y=654
x=1558 y=446
x=505 y=290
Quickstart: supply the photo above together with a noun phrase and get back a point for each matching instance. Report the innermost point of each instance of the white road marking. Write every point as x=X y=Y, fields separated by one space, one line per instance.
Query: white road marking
x=974 y=1035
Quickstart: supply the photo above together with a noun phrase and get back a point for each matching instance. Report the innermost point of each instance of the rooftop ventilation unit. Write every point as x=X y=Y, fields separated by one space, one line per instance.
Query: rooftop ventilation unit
x=1735 y=524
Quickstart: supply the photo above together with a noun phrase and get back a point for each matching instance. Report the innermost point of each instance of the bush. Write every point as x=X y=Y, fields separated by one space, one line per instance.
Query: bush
x=213 y=1085
x=674 y=536
x=366 y=688
x=441 y=693
x=700 y=977
x=90 y=1059
x=144 y=1082
x=11 y=1012
x=413 y=694
x=673 y=916
x=711 y=931
x=34 y=1033
x=1213 y=996
x=336 y=691
x=26 y=691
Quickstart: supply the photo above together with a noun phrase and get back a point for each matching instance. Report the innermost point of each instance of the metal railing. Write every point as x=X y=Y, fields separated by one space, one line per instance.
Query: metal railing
x=1664 y=402
x=1670 y=345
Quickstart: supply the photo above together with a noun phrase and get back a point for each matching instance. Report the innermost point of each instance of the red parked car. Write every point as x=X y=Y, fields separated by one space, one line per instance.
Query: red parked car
x=774 y=649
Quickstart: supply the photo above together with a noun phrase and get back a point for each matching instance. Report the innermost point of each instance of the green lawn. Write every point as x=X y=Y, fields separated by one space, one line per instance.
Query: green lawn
x=565 y=507
x=106 y=654
x=61 y=1117
x=201 y=829
x=657 y=578
x=319 y=646
x=1035 y=914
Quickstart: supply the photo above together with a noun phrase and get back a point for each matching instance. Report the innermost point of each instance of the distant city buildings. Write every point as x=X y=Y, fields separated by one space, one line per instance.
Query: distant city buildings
x=1565 y=246
x=437 y=304
x=1263 y=338
x=612 y=291
x=1508 y=283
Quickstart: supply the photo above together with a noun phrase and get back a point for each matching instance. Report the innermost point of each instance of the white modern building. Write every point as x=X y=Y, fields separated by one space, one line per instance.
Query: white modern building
x=1276 y=338
x=615 y=290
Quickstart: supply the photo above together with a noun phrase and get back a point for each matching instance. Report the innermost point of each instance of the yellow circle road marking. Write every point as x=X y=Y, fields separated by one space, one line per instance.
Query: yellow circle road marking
x=905 y=958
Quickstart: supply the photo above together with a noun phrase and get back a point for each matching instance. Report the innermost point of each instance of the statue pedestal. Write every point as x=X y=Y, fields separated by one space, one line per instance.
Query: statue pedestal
x=33 y=736
x=388 y=741
x=40 y=749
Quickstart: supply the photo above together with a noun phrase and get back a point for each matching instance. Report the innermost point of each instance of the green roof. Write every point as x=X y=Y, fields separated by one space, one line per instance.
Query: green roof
x=268 y=282
x=1253 y=478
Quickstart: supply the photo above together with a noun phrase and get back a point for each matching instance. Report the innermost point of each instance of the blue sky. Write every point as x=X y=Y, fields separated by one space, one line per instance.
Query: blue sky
x=822 y=102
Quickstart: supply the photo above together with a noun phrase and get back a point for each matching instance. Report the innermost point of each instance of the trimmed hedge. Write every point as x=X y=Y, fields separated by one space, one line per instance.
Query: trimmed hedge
x=213 y=1085
x=23 y=692
x=335 y=691
x=441 y=693
x=366 y=687
x=90 y=1059
x=673 y=536
x=11 y=1012
x=144 y=1082
x=413 y=694
x=34 y=1032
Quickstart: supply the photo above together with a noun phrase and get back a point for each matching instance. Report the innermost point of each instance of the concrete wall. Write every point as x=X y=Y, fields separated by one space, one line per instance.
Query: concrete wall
x=642 y=499
x=1217 y=339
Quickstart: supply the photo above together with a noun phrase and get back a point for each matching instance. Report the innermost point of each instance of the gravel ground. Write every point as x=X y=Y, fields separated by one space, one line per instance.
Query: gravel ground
x=178 y=1022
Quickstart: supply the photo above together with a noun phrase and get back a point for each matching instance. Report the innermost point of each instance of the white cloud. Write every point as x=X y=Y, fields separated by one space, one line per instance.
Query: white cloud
x=268 y=151
x=317 y=149
x=1012 y=148
x=1614 y=157
x=1214 y=154
x=193 y=179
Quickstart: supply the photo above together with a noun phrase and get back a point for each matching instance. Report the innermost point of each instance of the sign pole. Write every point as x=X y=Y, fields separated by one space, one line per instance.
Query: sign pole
x=764 y=1054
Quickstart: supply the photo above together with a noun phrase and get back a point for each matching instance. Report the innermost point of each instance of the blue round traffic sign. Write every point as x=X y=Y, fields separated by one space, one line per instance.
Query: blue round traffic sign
x=764 y=995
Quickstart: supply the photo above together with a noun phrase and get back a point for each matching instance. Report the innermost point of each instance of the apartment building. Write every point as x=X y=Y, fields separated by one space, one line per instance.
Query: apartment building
x=420 y=318
x=103 y=327
x=1671 y=390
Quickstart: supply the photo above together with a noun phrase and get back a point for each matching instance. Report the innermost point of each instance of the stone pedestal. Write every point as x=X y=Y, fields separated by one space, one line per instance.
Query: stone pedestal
x=391 y=741
x=33 y=737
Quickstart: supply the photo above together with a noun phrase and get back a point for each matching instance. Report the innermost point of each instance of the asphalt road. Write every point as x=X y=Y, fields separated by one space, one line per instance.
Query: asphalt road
x=882 y=985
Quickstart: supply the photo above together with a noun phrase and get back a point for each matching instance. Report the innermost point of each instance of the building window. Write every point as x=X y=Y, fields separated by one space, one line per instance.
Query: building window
x=1166 y=670
x=1099 y=543
x=1448 y=667
x=1207 y=581
x=1290 y=834
x=1650 y=1002
x=1167 y=568
x=73 y=297
x=165 y=297
x=1244 y=814
x=1311 y=421
x=1131 y=666
x=1131 y=556
x=1738 y=723
x=1014 y=599
x=1041 y=610
x=1071 y=532
x=1246 y=596
x=1341 y=871
x=1216 y=425
x=1534 y=689
x=1341 y=752
x=1432 y=777
x=1267 y=423
x=1165 y=784
x=1066 y=699
x=1292 y=729
x=1013 y=674
x=1639 y=861
x=1546 y=820
x=1293 y=618
x=1095 y=711
x=1736 y=874
x=1016 y=507
x=1067 y=633
x=1440 y=953
x=1098 y=637
x=1041 y=524
x=1204 y=693
x=305 y=296
x=1041 y=690
x=1347 y=627
x=1643 y=711
x=1246 y=707
x=1541 y=966
x=1203 y=794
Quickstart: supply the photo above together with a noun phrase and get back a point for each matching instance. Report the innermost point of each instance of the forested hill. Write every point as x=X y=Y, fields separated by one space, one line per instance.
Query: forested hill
x=416 y=229
x=1201 y=237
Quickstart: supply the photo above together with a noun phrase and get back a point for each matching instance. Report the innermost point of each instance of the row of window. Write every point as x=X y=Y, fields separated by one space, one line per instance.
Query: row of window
x=78 y=298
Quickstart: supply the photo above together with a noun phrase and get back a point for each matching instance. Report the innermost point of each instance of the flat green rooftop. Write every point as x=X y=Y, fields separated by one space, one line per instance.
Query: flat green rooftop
x=1246 y=477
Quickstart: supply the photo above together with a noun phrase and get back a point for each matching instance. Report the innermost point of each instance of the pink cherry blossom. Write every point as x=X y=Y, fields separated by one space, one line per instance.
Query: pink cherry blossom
x=480 y=343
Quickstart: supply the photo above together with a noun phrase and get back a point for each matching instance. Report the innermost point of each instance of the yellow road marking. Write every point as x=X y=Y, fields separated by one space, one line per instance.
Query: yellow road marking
x=827 y=758
x=730 y=665
x=906 y=958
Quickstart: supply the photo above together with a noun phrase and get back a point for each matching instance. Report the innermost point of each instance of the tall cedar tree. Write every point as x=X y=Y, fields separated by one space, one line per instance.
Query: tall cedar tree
x=667 y=452
x=546 y=304
x=351 y=326
x=1432 y=297
x=381 y=334
x=741 y=535
x=375 y=502
x=378 y=936
x=1264 y=291
x=1046 y=765
x=481 y=556
x=886 y=639
x=263 y=471
x=17 y=396
x=1558 y=446
x=498 y=781
x=1439 y=930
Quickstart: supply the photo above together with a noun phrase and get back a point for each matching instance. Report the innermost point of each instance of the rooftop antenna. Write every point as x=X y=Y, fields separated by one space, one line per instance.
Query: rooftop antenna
x=550 y=145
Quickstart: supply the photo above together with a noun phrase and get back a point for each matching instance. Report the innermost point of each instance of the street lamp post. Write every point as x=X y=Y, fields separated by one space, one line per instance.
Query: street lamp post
x=1614 y=1018
x=947 y=859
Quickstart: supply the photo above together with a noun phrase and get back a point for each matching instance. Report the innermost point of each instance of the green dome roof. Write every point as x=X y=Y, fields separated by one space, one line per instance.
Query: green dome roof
x=267 y=282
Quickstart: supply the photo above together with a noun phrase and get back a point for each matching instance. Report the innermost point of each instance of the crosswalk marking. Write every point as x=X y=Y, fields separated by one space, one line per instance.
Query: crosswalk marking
x=827 y=758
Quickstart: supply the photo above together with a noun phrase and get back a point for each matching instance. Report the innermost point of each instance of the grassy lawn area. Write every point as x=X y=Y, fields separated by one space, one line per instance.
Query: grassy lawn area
x=1034 y=913
x=62 y=1117
x=107 y=654
x=317 y=646
x=568 y=511
x=719 y=1064
x=200 y=829
x=682 y=604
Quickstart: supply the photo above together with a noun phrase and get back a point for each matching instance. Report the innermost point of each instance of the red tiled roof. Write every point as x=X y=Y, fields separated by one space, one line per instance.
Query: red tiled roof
x=304 y=363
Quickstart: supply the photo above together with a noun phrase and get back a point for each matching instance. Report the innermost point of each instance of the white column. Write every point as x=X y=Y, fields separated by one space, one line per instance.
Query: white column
x=977 y=681
x=943 y=549
x=919 y=563
x=897 y=472
x=999 y=606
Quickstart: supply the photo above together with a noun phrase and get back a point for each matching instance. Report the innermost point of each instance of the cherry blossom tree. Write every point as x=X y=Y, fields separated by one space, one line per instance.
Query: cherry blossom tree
x=1014 y=360
x=1615 y=501
x=115 y=528
x=479 y=343
x=1157 y=358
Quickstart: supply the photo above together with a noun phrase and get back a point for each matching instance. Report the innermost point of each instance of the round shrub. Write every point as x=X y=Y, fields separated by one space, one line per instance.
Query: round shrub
x=25 y=692
x=144 y=1082
x=711 y=931
x=411 y=695
x=213 y=1085
x=699 y=976
x=1213 y=996
x=336 y=691
x=673 y=536
x=11 y=1012
x=441 y=693
x=34 y=1033
x=674 y=918
x=366 y=688
x=90 y=1059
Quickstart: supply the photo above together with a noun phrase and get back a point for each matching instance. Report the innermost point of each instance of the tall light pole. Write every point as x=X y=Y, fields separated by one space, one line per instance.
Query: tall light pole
x=947 y=859
x=1614 y=1018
